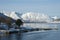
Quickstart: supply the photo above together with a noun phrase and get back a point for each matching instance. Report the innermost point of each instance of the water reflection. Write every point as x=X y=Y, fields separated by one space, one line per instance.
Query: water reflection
x=24 y=36
x=11 y=36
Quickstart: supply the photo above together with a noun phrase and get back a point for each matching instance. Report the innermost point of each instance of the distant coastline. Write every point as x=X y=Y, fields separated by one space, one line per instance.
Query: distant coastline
x=41 y=22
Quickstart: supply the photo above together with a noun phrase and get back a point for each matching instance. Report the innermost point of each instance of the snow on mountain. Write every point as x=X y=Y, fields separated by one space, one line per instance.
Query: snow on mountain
x=13 y=15
x=28 y=17
x=3 y=16
x=35 y=17
x=55 y=17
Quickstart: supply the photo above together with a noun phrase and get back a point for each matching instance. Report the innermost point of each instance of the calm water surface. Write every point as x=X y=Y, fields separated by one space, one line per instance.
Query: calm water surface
x=36 y=35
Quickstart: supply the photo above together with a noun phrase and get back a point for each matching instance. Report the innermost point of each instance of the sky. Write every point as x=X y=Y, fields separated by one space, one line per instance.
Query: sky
x=49 y=7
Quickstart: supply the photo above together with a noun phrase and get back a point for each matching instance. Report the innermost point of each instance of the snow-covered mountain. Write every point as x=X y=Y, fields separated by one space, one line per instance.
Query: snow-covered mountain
x=29 y=16
x=2 y=15
x=55 y=17
x=14 y=15
x=35 y=17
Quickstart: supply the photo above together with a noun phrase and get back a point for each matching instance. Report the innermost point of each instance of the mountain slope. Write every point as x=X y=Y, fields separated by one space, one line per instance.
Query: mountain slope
x=35 y=17
x=14 y=15
x=4 y=17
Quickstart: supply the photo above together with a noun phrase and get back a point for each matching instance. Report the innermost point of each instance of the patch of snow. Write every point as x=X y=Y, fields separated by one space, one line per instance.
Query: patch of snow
x=14 y=15
x=55 y=17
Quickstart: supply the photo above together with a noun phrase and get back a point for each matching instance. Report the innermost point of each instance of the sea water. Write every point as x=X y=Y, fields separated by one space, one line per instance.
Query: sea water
x=35 y=35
